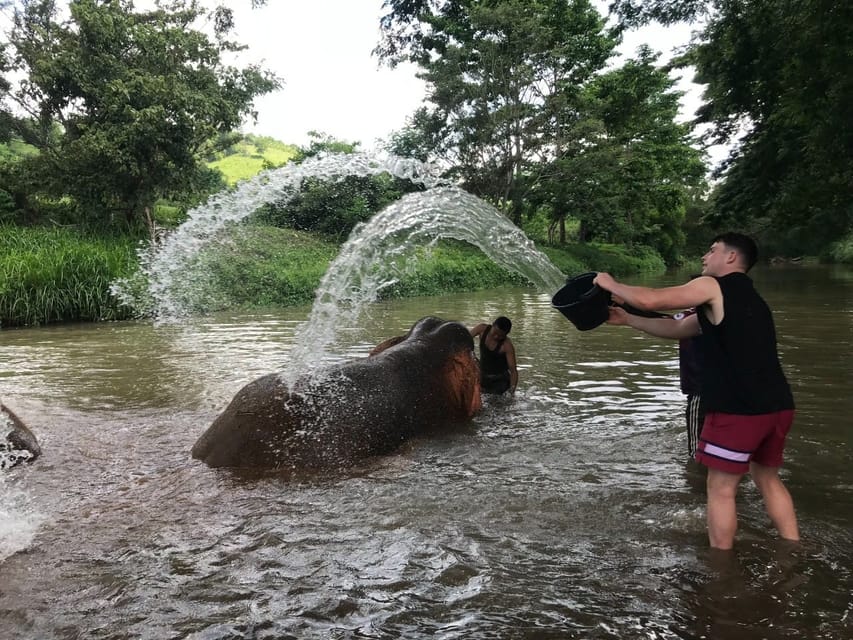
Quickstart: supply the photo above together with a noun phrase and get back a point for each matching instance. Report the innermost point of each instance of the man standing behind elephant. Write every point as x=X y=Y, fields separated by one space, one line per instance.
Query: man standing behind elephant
x=748 y=403
x=498 y=370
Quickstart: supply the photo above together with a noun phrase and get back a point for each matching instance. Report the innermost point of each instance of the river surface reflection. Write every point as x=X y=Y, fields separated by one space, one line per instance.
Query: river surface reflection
x=567 y=512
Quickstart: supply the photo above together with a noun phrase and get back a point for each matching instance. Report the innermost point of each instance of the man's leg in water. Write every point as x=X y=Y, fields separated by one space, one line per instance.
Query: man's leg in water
x=777 y=500
x=722 y=508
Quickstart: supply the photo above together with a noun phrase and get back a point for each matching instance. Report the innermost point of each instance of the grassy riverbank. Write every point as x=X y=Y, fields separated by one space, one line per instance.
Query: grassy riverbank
x=57 y=275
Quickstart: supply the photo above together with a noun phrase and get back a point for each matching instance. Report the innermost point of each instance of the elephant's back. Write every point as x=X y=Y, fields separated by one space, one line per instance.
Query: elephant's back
x=243 y=433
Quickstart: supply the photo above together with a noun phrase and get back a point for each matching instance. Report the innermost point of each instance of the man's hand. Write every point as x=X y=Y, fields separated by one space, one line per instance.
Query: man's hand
x=617 y=316
x=605 y=281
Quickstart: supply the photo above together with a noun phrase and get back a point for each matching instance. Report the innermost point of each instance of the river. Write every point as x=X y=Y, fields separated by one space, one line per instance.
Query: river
x=567 y=512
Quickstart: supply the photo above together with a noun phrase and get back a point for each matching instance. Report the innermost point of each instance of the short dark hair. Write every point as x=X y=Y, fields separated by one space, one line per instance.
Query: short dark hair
x=503 y=323
x=741 y=243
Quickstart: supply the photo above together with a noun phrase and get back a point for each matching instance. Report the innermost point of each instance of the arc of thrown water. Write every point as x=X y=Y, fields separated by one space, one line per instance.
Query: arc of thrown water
x=365 y=263
x=167 y=267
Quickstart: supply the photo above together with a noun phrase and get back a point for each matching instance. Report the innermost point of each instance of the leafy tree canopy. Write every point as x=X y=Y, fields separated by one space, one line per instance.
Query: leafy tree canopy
x=778 y=88
x=523 y=110
x=120 y=102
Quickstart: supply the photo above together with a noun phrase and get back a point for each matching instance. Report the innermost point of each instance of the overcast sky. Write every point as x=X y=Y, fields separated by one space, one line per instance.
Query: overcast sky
x=322 y=51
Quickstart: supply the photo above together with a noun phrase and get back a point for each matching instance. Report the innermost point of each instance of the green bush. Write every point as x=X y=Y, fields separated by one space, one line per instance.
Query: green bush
x=7 y=206
x=842 y=250
x=333 y=207
x=576 y=258
x=57 y=275
x=262 y=266
x=450 y=266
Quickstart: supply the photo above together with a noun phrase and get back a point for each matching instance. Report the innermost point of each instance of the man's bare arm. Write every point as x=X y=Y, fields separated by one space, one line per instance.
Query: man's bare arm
x=699 y=291
x=659 y=327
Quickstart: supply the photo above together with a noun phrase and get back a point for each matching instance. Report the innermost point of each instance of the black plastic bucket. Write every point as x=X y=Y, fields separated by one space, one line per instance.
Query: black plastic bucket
x=585 y=304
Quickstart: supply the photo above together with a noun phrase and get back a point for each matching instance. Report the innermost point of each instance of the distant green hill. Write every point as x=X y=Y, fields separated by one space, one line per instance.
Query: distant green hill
x=251 y=155
x=242 y=160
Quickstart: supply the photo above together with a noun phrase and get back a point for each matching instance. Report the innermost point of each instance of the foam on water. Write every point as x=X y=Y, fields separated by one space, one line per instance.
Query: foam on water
x=19 y=521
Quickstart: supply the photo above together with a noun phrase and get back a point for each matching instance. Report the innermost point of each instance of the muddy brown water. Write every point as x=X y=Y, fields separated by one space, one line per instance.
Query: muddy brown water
x=568 y=512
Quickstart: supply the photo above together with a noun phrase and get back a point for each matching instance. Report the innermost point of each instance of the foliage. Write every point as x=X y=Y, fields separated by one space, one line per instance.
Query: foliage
x=782 y=107
x=55 y=275
x=842 y=251
x=576 y=258
x=120 y=103
x=655 y=167
x=524 y=114
x=633 y=13
x=794 y=167
x=61 y=276
x=334 y=206
x=497 y=73
x=324 y=143
x=450 y=266
x=264 y=266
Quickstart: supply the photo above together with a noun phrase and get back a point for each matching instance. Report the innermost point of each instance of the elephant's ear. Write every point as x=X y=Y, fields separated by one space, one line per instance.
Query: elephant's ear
x=387 y=344
x=462 y=376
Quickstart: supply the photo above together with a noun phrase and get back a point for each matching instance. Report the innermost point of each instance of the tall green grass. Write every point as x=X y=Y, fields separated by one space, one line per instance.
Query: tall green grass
x=447 y=267
x=56 y=275
x=576 y=258
x=269 y=266
x=262 y=266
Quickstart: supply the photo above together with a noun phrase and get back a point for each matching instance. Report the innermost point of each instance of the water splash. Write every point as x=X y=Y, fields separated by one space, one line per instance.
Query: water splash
x=18 y=521
x=378 y=252
x=373 y=258
x=169 y=280
x=9 y=455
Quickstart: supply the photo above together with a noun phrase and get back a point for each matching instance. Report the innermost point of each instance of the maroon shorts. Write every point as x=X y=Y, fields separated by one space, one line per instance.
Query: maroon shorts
x=729 y=442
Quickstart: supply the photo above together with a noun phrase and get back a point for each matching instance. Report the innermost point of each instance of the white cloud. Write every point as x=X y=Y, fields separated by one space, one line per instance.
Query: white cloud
x=332 y=83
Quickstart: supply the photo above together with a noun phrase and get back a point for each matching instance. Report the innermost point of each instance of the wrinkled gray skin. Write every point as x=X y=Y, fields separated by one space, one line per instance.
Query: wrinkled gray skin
x=414 y=384
x=18 y=442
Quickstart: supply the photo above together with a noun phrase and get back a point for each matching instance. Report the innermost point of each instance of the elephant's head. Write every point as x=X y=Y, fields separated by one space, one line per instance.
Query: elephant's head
x=408 y=386
x=444 y=352
x=17 y=442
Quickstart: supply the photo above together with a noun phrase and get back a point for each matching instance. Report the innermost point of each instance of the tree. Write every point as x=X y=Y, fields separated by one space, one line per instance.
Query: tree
x=627 y=167
x=136 y=95
x=778 y=84
x=334 y=205
x=634 y=13
x=493 y=69
x=793 y=171
x=525 y=114
x=658 y=165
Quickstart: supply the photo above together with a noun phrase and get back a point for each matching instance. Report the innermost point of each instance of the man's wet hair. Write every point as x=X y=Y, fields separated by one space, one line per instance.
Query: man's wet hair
x=503 y=323
x=741 y=243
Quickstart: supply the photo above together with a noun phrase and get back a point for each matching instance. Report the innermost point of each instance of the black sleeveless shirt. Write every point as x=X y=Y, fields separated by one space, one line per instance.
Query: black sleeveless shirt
x=741 y=373
x=494 y=369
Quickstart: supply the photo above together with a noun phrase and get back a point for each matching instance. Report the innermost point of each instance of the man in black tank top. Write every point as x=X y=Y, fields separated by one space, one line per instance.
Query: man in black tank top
x=748 y=403
x=498 y=371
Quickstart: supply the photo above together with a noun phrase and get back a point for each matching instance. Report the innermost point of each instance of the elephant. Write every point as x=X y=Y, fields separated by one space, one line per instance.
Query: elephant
x=411 y=385
x=18 y=444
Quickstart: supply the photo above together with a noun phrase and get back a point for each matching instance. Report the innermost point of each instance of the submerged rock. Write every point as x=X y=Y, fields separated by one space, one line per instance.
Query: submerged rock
x=17 y=442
